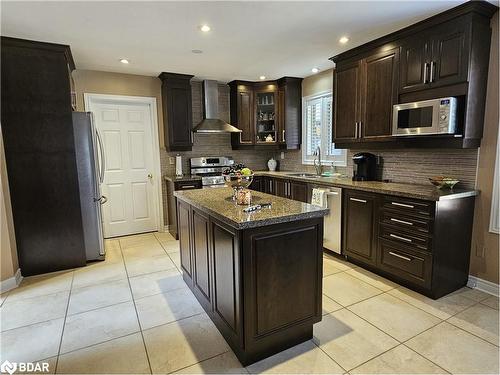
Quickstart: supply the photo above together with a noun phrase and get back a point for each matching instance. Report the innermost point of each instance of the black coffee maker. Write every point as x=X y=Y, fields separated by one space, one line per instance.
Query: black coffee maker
x=365 y=166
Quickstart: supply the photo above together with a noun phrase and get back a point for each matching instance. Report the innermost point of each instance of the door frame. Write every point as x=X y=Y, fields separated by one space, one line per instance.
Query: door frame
x=91 y=98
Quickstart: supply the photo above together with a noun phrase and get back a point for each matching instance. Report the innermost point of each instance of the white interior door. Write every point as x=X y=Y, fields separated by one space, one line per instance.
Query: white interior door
x=126 y=130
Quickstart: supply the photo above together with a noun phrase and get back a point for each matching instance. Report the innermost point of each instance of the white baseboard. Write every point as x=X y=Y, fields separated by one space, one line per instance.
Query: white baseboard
x=12 y=282
x=483 y=285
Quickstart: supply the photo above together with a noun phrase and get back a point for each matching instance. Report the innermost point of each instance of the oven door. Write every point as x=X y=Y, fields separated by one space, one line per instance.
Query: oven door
x=419 y=118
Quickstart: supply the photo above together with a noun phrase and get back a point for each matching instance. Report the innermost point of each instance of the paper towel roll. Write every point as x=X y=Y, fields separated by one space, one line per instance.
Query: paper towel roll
x=178 y=165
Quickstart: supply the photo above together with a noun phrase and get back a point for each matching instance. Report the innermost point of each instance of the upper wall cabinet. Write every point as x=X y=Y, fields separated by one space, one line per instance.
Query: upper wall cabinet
x=366 y=90
x=445 y=55
x=437 y=58
x=177 y=111
x=269 y=113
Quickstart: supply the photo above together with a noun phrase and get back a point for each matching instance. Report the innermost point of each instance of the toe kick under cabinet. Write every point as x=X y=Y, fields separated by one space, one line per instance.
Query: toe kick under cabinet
x=424 y=245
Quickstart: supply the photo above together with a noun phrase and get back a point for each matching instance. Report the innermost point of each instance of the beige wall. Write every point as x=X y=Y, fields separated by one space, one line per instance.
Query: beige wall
x=484 y=257
x=9 y=263
x=96 y=82
x=317 y=83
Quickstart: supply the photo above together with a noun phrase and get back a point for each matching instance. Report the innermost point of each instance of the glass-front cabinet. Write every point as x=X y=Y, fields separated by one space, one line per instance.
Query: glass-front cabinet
x=269 y=114
x=265 y=117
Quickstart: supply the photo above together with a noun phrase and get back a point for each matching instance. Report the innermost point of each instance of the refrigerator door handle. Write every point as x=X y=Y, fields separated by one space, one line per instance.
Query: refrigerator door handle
x=102 y=161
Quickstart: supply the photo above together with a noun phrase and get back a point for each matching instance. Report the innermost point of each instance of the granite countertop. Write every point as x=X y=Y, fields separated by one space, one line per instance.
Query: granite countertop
x=219 y=204
x=416 y=191
x=186 y=177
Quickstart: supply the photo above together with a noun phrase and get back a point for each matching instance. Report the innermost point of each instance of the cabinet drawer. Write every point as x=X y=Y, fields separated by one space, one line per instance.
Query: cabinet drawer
x=410 y=265
x=410 y=207
x=187 y=185
x=412 y=224
x=420 y=242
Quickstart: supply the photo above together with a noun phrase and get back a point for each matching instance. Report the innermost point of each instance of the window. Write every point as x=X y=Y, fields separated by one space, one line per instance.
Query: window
x=317 y=131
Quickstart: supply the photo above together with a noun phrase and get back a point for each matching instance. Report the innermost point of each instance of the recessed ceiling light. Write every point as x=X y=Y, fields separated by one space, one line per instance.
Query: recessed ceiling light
x=124 y=61
x=262 y=77
x=344 y=40
x=315 y=70
x=197 y=51
x=205 y=28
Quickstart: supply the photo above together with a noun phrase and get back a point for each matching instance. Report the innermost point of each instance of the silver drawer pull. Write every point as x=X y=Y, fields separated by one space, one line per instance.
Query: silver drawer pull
x=188 y=186
x=400 y=238
x=357 y=200
x=400 y=256
x=401 y=221
x=402 y=205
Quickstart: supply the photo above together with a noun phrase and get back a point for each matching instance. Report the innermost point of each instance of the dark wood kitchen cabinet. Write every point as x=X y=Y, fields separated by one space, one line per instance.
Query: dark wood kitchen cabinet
x=174 y=185
x=202 y=275
x=366 y=90
x=177 y=111
x=436 y=58
x=445 y=55
x=40 y=155
x=360 y=213
x=266 y=109
x=260 y=286
x=290 y=112
x=424 y=245
x=378 y=93
x=347 y=102
x=298 y=191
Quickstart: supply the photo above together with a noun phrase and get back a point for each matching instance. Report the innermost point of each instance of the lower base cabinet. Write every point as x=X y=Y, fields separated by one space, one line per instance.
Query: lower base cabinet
x=424 y=245
x=261 y=301
x=295 y=190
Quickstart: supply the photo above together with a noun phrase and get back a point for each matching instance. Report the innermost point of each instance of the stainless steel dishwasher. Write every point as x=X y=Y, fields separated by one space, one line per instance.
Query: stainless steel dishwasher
x=332 y=230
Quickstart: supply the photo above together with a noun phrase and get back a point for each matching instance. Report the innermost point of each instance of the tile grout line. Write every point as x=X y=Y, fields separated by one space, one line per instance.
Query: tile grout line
x=64 y=322
x=206 y=359
x=166 y=252
x=430 y=360
x=135 y=307
x=328 y=355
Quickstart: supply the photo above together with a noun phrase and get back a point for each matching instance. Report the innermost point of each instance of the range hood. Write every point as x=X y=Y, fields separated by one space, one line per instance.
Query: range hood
x=211 y=123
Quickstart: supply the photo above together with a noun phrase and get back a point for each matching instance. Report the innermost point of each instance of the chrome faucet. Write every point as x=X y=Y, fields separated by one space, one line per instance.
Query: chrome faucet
x=317 y=156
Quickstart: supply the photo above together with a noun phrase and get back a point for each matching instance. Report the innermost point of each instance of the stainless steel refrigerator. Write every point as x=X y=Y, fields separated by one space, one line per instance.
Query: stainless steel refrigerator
x=90 y=166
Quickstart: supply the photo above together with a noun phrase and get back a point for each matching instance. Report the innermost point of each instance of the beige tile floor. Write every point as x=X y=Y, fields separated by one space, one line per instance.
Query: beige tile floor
x=133 y=314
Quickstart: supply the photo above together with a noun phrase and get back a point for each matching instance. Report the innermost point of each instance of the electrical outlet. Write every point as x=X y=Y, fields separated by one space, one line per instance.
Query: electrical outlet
x=282 y=155
x=171 y=160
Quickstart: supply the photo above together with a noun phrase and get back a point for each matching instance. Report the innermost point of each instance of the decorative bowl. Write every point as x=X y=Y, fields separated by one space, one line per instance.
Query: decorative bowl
x=238 y=182
x=443 y=182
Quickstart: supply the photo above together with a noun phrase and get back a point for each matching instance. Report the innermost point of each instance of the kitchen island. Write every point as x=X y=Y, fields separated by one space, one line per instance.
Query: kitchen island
x=258 y=275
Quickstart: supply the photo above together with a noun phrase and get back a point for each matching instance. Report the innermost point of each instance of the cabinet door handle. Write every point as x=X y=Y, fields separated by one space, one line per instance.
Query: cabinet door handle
x=433 y=64
x=402 y=205
x=356 y=130
x=360 y=132
x=401 y=221
x=426 y=65
x=400 y=256
x=400 y=238
x=283 y=135
x=357 y=200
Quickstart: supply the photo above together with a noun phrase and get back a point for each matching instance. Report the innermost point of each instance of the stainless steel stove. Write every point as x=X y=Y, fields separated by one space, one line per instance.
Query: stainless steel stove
x=210 y=169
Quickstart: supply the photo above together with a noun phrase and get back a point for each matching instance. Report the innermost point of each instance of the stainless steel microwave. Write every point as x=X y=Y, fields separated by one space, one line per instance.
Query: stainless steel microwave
x=436 y=116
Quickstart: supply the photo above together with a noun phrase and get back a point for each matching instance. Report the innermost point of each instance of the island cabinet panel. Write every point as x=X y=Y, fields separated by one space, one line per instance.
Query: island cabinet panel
x=360 y=212
x=227 y=283
x=184 y=229
x=282 y=285
x=260 y=285
x=201 y=257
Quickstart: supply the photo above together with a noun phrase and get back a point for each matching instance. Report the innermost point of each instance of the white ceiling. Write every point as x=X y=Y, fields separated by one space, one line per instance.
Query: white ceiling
x=248 y=39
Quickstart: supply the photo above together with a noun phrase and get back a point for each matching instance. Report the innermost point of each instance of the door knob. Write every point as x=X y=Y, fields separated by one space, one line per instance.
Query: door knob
x=150 y=176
